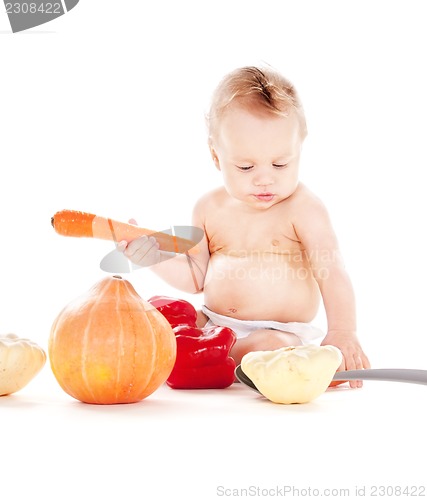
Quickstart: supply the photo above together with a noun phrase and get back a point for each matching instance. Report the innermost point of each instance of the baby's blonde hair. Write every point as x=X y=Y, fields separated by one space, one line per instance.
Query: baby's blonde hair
x=265 y=89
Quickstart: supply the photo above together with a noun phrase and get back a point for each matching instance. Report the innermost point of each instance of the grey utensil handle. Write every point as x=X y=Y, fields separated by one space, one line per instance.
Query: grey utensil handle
x=390 y=374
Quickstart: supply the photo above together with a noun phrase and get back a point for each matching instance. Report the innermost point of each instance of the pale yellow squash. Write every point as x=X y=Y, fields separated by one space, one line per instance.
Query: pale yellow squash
x=20 y=361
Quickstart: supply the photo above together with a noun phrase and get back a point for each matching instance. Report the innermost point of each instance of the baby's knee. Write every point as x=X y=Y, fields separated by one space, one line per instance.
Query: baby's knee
x=263 y=340
x=269 y=340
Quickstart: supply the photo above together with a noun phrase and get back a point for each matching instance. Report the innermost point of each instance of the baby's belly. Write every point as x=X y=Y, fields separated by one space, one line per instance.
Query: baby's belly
x=264 y=287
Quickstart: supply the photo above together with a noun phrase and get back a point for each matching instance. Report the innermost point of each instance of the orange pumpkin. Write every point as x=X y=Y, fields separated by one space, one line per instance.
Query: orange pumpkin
x=110 y=346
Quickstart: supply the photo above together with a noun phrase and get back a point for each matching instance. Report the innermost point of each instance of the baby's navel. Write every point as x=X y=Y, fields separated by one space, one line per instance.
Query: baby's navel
x=275 y=243
x=232 y=310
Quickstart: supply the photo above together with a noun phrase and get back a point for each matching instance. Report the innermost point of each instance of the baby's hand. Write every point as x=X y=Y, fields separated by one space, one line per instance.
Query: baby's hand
x=143 y=251
x=353 y=356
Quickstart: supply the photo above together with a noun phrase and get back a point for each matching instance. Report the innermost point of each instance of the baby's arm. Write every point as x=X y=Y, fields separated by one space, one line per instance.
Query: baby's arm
x=318 y=238
x=185 y=272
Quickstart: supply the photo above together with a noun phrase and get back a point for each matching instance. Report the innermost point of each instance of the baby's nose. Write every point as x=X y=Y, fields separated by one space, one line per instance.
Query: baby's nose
x=263 y=179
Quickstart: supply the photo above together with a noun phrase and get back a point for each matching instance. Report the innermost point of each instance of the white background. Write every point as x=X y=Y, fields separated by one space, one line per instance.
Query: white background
x=102 y=110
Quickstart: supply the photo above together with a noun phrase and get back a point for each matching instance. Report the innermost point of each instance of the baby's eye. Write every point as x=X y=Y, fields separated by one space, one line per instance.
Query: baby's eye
x=245 y=168
x=280 y=165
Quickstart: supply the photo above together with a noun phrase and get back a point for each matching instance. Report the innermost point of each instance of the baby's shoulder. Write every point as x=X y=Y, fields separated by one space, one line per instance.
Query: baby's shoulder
x=211 y=199
x=305 y=203
x=304 y=197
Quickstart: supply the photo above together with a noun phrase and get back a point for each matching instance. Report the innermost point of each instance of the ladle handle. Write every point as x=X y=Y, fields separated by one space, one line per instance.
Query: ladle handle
x=390 y=374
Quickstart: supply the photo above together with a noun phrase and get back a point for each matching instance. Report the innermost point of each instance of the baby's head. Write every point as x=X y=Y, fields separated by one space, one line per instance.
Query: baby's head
x=256 y=129
x=263 y=90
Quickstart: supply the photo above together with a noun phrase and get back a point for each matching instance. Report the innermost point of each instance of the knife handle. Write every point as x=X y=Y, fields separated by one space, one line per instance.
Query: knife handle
x=388 y=374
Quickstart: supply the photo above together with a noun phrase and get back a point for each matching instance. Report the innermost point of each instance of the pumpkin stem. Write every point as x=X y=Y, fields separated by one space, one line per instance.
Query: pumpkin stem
x=117 y=276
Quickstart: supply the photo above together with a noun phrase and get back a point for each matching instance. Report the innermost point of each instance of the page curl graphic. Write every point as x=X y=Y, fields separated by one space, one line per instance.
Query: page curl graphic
x=26 y=14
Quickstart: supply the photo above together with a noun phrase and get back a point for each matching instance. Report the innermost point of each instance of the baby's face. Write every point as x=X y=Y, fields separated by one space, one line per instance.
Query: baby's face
x=258 y=154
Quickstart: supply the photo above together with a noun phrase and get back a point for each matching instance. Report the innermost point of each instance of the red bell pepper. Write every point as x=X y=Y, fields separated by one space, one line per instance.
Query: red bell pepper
x=176 y=311
x=203 y=360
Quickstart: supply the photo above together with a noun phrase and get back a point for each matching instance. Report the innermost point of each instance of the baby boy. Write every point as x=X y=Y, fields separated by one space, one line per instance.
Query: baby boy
x=269 y=255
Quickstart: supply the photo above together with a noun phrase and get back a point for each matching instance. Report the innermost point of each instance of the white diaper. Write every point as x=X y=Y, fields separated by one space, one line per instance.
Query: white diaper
x=307 y=333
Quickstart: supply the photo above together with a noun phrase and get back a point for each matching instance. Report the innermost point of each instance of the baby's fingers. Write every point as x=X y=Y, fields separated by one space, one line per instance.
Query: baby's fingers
x=143 y=251
x=365 y=361
x=121 y=246
x=355 y=362
x=139 y=246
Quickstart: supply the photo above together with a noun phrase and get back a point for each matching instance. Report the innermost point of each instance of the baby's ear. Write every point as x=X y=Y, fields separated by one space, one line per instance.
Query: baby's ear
x=214 y=155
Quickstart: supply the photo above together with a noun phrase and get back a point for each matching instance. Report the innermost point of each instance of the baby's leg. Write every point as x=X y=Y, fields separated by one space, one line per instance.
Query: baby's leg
x=263 y=340
x=259 y=340
x=202 y=319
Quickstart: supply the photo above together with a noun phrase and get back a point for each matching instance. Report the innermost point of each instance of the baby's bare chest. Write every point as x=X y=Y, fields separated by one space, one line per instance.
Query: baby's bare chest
x=243 y=234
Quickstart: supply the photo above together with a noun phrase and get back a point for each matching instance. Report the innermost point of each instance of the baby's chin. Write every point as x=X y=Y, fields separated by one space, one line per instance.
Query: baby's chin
x=261 y=203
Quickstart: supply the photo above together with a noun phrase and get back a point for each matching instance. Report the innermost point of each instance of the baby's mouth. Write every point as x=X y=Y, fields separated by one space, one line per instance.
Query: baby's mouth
x=264 y=196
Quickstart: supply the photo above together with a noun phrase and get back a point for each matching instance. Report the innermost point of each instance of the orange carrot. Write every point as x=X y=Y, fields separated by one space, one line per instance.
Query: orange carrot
x=82 y=224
